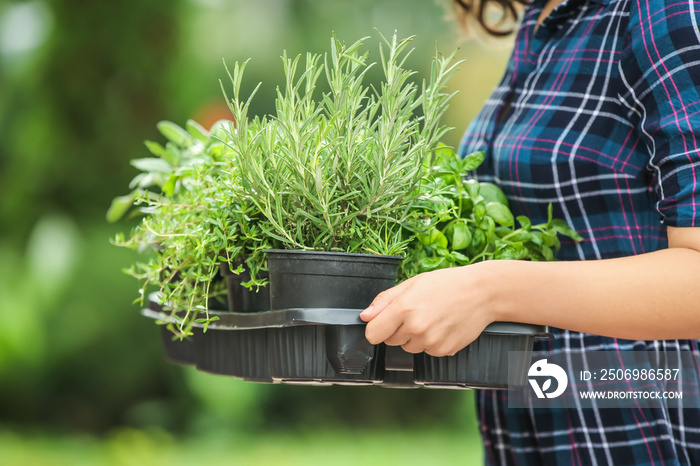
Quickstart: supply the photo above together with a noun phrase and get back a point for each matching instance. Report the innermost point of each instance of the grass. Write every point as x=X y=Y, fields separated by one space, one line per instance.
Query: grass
x=126 y=447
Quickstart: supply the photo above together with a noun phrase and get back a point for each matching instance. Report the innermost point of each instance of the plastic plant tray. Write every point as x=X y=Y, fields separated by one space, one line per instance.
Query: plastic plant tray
x=327 y=346
x=482 y=364
x=176 y=351
x=292 y=345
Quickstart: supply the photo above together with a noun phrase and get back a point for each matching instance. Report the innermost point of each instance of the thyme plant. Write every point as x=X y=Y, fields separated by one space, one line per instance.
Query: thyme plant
x=339 y=170
x=189 y=224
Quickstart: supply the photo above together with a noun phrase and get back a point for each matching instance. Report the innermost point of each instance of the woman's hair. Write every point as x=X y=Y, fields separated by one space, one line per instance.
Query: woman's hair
x=479 y=10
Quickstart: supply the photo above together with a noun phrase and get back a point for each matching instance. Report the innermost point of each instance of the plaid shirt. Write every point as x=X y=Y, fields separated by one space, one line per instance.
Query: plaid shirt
x=598 y=113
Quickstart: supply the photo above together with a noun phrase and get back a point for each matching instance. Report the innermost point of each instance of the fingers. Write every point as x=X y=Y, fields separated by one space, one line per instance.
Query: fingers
x=390 y=318
x=383 y=299
x=425 y=314
x=439 y=353
x=397 y=324
x=370 y=313
x=416 y=332
x=383 y=326
x=421 y=344
x=397 y=327
x=412 y=347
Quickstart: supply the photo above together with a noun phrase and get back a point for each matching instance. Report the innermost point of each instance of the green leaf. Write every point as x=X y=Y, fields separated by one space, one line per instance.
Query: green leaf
x=433 y=238
x=197 y=131
x=443 y=152
x=159 y=151
x=492 y=193
x=461 y=236
x=459 y=258
x=473 y=187
x=174 y=133
x=547 y=253
x=152 y=165
x=536 y=238
x=442 y=252
x=168 y=187
x=432 y=263
x=473 y=160
x=479 y=211
x=440 y=240
x=563 y=228
x=557 y=243
x=512 y=251
x=500 y=213
x=503 y=231
x=120 y=206
x=488 y=225
x=519 y=235
x=466 y=206
x=478 y=239
x=174 y=154
x=549 y=238
x=524 y=222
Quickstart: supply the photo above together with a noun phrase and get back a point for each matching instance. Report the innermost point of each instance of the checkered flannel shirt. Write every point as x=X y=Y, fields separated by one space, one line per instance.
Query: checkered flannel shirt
x=598 y=113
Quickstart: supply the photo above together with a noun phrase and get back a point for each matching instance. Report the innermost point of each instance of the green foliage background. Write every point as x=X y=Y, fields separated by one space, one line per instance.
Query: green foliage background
x=82 y=85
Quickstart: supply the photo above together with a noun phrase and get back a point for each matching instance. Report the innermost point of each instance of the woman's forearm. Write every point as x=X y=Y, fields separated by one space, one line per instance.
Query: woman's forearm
x=651 y=296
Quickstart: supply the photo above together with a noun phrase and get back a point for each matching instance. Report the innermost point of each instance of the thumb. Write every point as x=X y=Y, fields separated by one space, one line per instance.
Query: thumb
x=383 y=299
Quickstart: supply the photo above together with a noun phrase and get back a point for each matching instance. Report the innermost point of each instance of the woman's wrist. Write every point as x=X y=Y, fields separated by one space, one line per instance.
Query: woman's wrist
x=510 y=290
x=494 y=283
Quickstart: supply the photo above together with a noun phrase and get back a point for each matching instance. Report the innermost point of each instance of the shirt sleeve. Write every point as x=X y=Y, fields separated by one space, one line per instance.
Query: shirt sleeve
x=660 y=68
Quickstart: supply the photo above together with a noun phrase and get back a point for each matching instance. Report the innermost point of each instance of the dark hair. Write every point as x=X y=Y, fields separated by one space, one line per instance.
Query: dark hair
x=477 y=10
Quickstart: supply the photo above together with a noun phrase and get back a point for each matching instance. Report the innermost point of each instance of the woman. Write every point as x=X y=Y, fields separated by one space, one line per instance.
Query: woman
x=598 y=113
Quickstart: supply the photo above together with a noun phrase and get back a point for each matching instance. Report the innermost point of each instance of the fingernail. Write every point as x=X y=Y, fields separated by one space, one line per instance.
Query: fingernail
x=367 y=311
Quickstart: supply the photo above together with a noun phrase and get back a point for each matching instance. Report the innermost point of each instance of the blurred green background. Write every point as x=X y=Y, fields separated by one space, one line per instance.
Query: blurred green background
x=82 y=377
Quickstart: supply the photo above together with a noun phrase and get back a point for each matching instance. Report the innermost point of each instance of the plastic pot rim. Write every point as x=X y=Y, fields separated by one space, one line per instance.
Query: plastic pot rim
x=329 y=254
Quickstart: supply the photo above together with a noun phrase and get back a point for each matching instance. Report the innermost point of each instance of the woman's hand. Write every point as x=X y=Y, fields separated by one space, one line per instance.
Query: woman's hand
x=437 y=312
x=650 y=296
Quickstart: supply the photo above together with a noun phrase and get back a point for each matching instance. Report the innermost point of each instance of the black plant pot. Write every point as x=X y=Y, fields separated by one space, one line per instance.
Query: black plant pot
x=240 y=298
x=314 y=280
x=485 y=362
x=240 y=353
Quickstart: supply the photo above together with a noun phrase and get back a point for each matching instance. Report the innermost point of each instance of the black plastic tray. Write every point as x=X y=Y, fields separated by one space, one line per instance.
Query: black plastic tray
x=176 y=351
x=328 y=346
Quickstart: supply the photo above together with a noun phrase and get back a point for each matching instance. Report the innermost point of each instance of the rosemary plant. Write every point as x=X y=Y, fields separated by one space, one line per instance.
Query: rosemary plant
x=339 y=170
